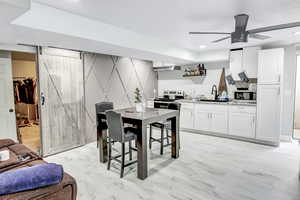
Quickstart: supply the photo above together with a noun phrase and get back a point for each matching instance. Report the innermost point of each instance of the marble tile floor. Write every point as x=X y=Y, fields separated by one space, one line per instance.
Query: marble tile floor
x=209 y=168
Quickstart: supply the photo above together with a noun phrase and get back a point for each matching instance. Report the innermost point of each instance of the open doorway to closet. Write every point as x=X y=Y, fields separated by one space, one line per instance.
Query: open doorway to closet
x=24 y=70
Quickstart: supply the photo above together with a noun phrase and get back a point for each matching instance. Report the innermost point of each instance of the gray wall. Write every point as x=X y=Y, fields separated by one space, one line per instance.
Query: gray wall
x=113 y=78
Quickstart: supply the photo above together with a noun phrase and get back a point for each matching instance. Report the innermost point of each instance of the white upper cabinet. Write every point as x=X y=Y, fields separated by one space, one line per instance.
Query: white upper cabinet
x=250 y=61
x=236 y=59
x=270 y=66
x=244 y=60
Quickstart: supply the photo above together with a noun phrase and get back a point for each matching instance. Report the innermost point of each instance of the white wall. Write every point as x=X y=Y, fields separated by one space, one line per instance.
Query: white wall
x=289 y=83
x=297 y=102
x=173 y=80
x=23 y=68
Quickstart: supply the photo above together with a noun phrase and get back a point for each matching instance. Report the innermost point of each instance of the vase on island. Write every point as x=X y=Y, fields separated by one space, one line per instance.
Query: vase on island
x=139 y=106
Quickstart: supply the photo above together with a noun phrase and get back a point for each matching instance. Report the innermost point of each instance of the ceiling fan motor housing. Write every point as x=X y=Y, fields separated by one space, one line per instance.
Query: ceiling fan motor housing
x=239 y=36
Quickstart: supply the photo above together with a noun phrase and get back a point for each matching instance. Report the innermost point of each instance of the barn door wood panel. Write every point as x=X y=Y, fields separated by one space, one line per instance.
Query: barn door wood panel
x=62 y=102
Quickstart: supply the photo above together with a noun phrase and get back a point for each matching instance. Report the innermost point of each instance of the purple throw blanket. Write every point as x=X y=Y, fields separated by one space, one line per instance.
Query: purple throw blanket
x=29 y=178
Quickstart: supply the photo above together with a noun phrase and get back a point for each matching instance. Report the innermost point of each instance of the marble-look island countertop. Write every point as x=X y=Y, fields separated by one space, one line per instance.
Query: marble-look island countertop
x=216 y=102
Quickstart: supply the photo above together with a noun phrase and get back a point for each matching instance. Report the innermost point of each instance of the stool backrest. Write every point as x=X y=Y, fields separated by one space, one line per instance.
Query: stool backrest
x=104 y=106
x=100 y=113
x=115 y=126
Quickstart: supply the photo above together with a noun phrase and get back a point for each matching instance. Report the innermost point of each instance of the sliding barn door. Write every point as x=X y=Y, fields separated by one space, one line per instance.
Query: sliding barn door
x=62 y=104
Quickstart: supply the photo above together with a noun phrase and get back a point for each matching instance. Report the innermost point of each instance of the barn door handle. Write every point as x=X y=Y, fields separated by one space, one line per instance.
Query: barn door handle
x=43 y=99
x=11 y=110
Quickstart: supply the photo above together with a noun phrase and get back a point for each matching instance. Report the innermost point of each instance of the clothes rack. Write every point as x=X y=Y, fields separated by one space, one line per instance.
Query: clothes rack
x=23 y=78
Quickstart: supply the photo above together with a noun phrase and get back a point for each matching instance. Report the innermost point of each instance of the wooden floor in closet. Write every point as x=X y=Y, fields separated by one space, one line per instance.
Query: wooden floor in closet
x=31 y=137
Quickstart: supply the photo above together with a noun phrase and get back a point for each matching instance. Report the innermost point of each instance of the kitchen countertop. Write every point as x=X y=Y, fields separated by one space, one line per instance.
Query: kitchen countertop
x=219 y=103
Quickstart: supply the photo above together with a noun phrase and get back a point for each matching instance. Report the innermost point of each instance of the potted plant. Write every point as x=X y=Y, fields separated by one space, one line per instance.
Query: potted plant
x=138 y=100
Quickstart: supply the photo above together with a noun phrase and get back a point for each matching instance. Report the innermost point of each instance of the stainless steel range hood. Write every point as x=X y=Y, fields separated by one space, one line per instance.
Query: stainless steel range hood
x=166 y=68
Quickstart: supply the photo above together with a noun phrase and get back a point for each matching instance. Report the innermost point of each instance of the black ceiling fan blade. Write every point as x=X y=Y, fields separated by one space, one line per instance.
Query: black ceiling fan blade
x=258 y=36
x=219 y=40
x=205 y=33
x=241 y=22
x=273 y=28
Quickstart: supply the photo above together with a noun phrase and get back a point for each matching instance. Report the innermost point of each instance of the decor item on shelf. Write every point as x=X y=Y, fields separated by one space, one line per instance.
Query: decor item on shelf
x=138 y=101
x=230 y=79
x=244 y=77
x=198 y=71
x=222 y=84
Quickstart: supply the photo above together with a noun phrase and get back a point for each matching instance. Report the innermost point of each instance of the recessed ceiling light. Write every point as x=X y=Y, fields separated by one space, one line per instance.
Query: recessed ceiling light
x=202 y=46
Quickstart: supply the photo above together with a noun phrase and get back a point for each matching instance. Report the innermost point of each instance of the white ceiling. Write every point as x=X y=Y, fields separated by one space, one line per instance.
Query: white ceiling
x=146 y=29
x=171 y=20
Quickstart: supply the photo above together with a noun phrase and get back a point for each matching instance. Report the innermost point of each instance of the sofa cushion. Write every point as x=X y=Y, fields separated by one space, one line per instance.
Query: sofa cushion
x=6 y=142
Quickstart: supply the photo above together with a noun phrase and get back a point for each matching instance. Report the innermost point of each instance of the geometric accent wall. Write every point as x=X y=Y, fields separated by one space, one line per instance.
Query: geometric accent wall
x=114 y=78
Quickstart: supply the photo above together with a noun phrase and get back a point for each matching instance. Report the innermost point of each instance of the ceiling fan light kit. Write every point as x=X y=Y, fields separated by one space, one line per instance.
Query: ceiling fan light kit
x=241 y=34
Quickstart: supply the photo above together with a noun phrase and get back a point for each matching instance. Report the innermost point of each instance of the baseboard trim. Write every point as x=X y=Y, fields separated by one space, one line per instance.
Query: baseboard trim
x=274 y=144
x=285 y=138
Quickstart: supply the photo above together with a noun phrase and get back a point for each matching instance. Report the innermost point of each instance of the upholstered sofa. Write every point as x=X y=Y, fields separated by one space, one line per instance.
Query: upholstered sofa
x=66 y=190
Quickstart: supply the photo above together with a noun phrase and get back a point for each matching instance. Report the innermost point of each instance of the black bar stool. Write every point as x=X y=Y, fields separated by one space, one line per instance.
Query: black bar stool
x=117 y=133
x=101 y=108
x=166 y=125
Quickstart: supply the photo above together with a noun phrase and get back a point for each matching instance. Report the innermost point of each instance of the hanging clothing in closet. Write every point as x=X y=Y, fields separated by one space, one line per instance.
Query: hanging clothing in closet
x=25 y=91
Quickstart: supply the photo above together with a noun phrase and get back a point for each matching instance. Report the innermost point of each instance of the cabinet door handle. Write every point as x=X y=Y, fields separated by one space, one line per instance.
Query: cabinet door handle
x=279 y=77
x=278 y=90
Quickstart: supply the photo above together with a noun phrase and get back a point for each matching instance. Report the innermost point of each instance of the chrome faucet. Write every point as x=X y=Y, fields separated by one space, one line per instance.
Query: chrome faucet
x=214 y=91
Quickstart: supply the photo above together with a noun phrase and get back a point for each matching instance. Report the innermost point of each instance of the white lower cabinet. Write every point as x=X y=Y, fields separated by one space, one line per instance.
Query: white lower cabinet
x=187 y=115
x=233 y=120
x=212 y=118
x=219 y=122
x=268 y=113
x=202 y=120
x=242 y=121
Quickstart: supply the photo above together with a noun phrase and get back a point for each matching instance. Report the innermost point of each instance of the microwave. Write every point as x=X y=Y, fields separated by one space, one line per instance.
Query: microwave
x=245 y=95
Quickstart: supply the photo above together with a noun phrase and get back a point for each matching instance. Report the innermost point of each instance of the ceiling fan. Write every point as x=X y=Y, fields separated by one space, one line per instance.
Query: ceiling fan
x=241 y=34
